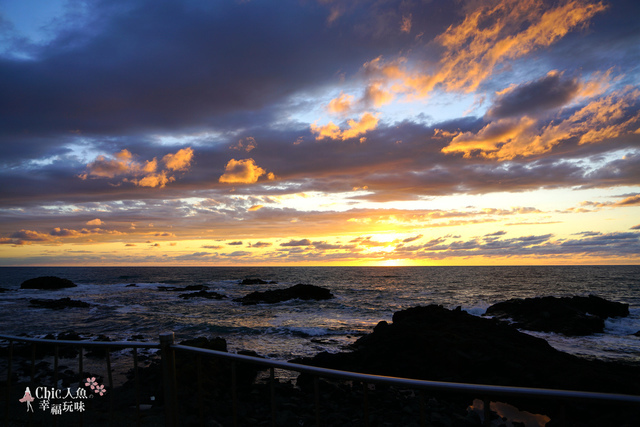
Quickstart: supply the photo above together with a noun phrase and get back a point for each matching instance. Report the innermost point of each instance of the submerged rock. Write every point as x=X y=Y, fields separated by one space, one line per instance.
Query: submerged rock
x=567 y=315
x=299 y=291
x=202 y=294
x=47 y=282
x=182 y=289
x=257 y=282
x=58 y=304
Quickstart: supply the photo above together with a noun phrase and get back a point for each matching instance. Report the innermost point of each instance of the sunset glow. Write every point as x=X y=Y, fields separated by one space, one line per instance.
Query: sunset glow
x=322 y=132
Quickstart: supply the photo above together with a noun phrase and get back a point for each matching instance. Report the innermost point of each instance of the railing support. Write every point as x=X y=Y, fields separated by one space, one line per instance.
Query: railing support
x=9 y=367
x=169 y=378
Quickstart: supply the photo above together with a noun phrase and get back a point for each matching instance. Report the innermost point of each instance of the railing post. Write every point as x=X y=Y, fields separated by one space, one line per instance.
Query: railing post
x=168 y=378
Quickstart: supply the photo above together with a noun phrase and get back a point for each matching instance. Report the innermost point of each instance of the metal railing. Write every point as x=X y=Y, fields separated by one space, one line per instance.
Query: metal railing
x=168 y=349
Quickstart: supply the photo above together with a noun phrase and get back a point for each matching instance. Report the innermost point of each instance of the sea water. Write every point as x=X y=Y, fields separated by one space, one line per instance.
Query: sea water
x=363 y=297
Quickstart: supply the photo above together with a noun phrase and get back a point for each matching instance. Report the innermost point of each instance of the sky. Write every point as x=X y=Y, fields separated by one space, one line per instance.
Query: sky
x=319 y=132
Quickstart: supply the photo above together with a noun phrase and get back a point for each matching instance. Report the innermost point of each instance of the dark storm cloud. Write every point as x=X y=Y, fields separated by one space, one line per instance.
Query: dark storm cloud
x=549 y=92
x=166 y=65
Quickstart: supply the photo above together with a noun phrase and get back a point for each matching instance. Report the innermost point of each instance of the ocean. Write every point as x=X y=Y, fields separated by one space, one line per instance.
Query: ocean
x=363 y=297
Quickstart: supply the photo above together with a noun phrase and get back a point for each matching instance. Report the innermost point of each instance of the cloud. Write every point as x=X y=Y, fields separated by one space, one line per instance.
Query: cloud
x=96 y=221
x=25 y=237
x=601 y=119
x=366 y=123
x=154 y=180
x=247 y=144
x=180 y=161
x=491 y=34
x=123 y=163
x=237 y=243
x=629 y=201
x=412 y=239
x=548 y=92
x=260 y=245
x=243 y=172
x=341 y=104
x=303 y=242
x=405 y=25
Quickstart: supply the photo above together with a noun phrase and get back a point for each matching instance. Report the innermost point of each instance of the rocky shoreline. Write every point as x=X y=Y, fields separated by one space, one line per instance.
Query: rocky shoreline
x=424 y=342
x=428 y=342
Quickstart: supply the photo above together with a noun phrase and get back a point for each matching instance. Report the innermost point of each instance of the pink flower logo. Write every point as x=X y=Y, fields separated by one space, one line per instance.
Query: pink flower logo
x=97 y=388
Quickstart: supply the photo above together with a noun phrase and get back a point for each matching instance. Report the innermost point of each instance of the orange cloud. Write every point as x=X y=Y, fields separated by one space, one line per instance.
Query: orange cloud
x=243 y=172
x=332 y=131
x=123 y=163
x=377 y=96
x=405 y=26
x=104 y=167
x=96 y=221
x=179 y=161
x=247 y=144
x=496 y=31
x=154 y=180
x=599 y=120
x=341 y=104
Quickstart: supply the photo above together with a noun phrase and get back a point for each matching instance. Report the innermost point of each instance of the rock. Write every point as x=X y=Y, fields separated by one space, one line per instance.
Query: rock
x=434 y=343
x=637 y=334
x=58 y=304
x=47 y=282
x=202 y=294
x=133 y=285
x=299 y=291
x=568 y=315
x=257 y=282
x=3 y=290
x=98 y=352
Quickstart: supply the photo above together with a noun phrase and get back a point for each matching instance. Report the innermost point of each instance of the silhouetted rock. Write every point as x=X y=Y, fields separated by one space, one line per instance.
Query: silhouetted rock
x=3 y=290
x=202 y=294
x=47 y=282
x=434 y=343
x=133 y=285
x=299 y=291
x=568 y=315
x=58 y=304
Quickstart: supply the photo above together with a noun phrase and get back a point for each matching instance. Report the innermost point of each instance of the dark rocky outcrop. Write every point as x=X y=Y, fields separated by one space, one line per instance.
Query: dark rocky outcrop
x=58 y=304
x=3 y=290
x=434 y=343
x=202 y=294
x=47 y=282
x=567 y=315
x=299 y=291
x=257 y=282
